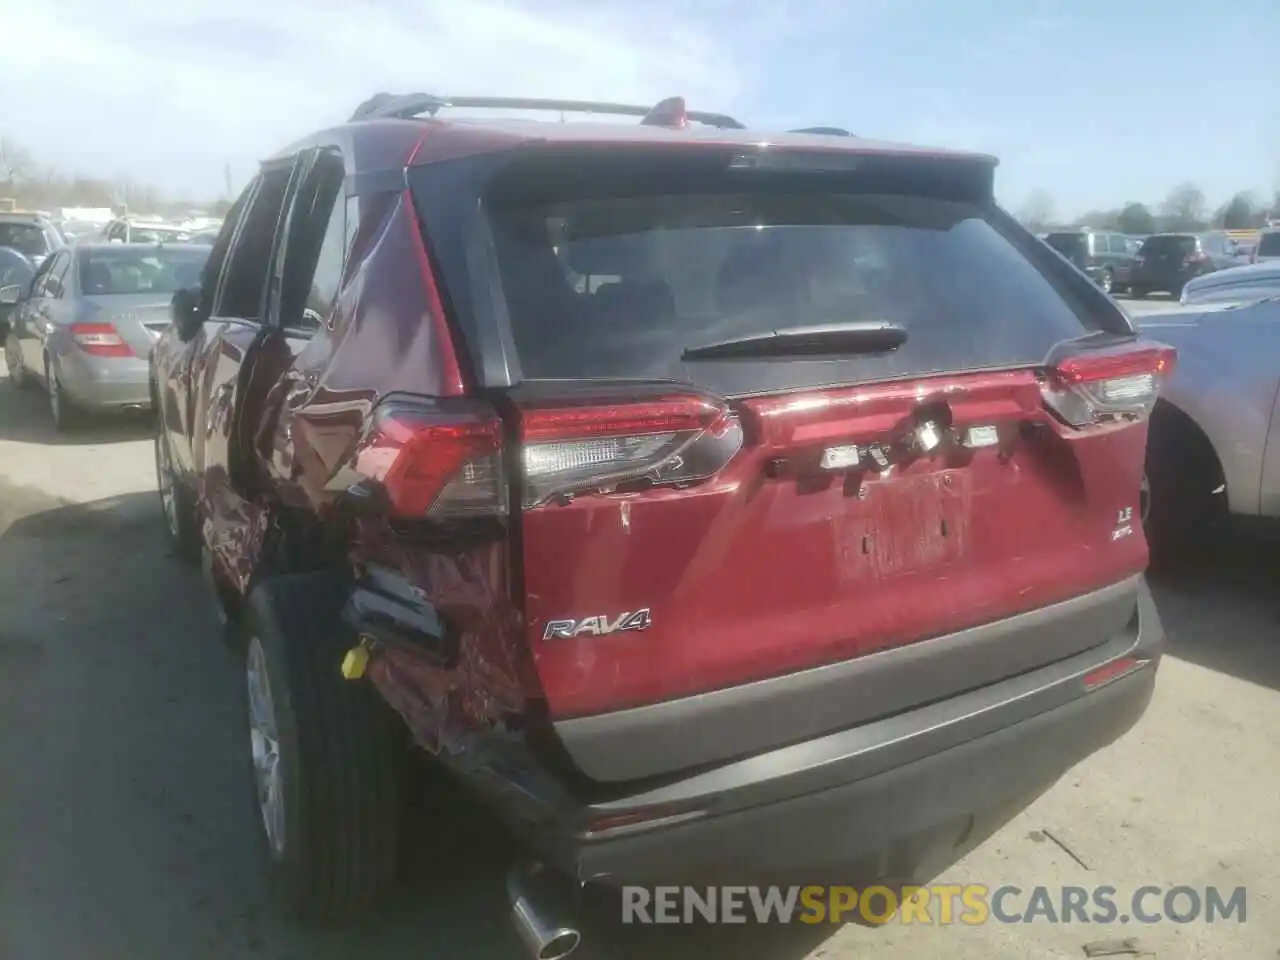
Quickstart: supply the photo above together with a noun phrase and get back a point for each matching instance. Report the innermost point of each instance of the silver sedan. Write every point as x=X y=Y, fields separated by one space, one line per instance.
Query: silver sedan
x=1237 y=285
x=1214 y=442
x=83 y=328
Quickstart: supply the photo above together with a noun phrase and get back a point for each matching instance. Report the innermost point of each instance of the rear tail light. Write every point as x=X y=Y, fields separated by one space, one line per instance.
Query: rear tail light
x=1119 y=383
x=671 y=439
x=99 y=340
x=436 y=461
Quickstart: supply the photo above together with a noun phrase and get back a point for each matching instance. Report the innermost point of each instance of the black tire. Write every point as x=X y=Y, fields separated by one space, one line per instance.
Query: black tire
x=67 y=417
x=181 y=523
x=1182 y=473
x=1138 y=293
x=343 y=756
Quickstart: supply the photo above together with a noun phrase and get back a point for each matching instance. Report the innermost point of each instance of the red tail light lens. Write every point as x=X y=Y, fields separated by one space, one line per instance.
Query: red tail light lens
x=596 y=446
x=1119 y=383
x=442 y=462
x=99 y=340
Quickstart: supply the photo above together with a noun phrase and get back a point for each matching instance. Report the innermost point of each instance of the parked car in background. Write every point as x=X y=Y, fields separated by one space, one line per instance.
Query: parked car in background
x=1106 y=257
x=1268 y=247
x=1167 y=261
x=84 y=327
x=16 y=270
x=31 y=234
x=1214 y=440
x=138 y=230
x=755 y=505
x=1236 y=285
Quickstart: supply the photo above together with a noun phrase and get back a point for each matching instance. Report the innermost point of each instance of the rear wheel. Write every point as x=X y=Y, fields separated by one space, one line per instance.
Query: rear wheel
x=330 y=761
x=66 y=415
x=1182 y=474
x=1138 y=293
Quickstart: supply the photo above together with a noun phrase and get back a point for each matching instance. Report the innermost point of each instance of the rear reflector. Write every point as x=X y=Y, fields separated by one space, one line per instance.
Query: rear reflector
x=1119 y=383
x=438 y=461
x=1114 y=670
x=570 y=450
x=99 y=340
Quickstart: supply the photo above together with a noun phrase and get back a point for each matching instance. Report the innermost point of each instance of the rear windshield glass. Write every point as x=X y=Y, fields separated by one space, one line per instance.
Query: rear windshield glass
x=1169 y=243
x=123 y=271
x=621 y=286
x=1269 y=245
x=609 y=264
x=26 y=238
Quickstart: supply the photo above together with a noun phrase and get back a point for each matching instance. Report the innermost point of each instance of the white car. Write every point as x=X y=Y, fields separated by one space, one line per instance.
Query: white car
x=1257 y=281
x=1268 y=247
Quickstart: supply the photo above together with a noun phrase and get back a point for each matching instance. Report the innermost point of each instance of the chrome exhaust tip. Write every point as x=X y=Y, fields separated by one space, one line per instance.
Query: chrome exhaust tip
x=539 y=911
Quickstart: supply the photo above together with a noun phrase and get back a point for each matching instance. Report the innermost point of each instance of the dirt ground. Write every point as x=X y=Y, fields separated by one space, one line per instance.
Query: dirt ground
x=126 y=824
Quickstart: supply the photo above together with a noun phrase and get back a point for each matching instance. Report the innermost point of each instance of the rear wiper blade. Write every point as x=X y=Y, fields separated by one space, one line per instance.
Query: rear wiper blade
x=826 y=339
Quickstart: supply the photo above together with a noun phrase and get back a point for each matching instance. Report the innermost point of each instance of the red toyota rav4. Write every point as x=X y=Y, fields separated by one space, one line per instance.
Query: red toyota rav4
x=716 y=504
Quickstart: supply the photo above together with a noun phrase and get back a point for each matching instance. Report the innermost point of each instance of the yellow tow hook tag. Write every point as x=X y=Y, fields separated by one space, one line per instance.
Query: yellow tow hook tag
x=357 y=659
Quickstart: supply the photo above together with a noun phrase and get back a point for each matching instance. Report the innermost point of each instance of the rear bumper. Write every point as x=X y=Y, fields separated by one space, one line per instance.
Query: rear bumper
x=1161 y=280
x=890 y=798
x=105 y=382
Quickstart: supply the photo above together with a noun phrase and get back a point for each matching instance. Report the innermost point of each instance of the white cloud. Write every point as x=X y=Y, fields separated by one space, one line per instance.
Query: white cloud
x=171 y=91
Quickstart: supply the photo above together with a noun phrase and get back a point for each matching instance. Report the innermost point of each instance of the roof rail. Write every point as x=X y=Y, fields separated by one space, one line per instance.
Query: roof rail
x=824 y=131
x=386 y=106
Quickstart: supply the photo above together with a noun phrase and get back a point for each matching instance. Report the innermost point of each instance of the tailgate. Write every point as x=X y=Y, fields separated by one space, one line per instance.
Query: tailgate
x=773 y=424
x=775 y=566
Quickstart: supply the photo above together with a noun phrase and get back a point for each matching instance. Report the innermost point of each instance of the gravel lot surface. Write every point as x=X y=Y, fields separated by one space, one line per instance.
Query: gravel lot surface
x=126 y=826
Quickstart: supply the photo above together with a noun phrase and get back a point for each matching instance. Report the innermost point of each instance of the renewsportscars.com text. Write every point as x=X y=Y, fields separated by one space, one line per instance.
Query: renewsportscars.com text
x=971 y=904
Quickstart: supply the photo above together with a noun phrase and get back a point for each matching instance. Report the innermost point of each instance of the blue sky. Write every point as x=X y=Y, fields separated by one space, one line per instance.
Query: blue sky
x=1095 y=102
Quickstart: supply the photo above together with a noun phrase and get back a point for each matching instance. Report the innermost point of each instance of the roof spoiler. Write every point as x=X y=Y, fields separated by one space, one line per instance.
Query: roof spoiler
x=668 y=112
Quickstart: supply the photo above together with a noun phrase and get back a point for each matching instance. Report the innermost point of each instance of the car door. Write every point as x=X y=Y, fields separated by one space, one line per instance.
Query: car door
x=290 y=421
x=220 y=370
x=175 y=358
x=22 y=317
x=42 y=311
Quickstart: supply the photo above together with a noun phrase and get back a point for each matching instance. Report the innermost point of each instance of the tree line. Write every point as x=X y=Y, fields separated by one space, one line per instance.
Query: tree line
x=36 y=186
x=1185 y=209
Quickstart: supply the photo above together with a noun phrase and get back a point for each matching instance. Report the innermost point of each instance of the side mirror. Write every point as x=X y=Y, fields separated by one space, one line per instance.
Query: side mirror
x=184 y=312
x=10 y=295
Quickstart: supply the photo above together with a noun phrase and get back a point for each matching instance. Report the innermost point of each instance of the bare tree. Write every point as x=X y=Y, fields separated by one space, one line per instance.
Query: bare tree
x=16 y=164
x=1184 y=208
x=1037 y=211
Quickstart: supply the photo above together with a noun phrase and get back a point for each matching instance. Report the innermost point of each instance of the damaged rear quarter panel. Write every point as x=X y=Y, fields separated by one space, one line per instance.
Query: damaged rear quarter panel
x=387 y=335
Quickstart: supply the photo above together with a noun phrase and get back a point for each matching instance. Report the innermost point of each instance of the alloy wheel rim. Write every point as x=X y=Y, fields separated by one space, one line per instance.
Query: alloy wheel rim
x=265 y=743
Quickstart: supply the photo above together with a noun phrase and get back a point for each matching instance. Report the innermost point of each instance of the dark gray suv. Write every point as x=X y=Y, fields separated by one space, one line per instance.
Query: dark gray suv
x=1105 y=256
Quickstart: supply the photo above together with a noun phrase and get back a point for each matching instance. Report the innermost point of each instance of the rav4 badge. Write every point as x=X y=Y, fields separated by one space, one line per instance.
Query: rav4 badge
x=597 y=626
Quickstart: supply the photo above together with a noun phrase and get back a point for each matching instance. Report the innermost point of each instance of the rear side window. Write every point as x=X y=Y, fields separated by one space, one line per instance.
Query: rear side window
x=244 y=279
x=1269 y=245
x=620 y=286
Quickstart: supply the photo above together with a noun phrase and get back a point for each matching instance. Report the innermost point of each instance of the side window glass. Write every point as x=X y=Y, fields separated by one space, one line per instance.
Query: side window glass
x=247 y=265
x=315 y=253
